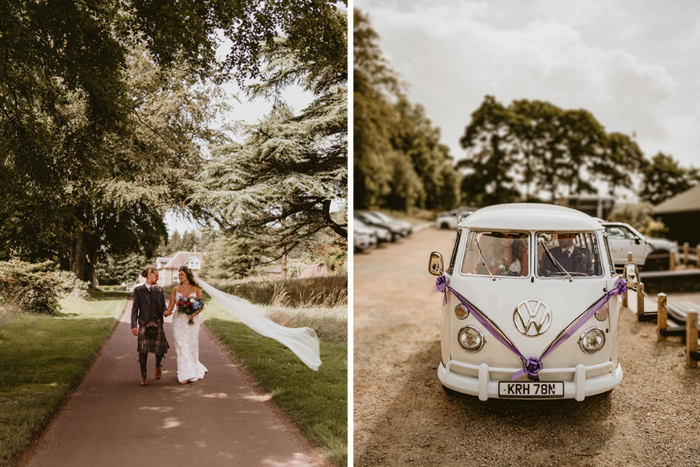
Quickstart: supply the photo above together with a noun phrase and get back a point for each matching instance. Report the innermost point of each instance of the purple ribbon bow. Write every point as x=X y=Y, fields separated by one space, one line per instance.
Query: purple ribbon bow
x=532 y=366
x=442 y=285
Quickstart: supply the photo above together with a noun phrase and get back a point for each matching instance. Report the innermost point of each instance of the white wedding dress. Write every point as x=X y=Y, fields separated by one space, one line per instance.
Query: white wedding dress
x=187 y=346
x=302 y=341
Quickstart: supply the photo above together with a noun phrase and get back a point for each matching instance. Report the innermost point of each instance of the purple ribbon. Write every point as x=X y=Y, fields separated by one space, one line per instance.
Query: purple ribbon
x=532 y=366
x=442 y=284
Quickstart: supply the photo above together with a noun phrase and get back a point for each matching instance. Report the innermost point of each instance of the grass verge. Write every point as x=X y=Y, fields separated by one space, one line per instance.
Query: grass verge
x=315 y=400
x=44 y=357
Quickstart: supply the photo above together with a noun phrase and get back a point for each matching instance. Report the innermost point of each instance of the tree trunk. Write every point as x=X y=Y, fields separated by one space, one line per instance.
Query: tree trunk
x=82 y=262
x=78 y=259
x=283 y=266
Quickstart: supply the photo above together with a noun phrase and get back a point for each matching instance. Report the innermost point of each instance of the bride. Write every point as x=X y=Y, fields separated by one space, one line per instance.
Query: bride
x=302 y=341
x=509 y=255
x=186 y=335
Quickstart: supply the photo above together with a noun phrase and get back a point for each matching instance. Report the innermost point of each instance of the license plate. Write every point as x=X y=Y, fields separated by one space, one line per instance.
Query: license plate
x=530 y=389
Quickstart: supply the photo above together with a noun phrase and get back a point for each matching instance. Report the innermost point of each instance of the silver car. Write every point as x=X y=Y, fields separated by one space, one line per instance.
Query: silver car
x=450 y=219
x=383 y=234
x=623 y=239
x=363 y=237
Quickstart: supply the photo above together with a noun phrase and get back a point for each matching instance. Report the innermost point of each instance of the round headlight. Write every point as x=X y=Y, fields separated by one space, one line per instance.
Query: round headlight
x=592 y=340
x=602 y=314
x=471 y=339
x=461 y=312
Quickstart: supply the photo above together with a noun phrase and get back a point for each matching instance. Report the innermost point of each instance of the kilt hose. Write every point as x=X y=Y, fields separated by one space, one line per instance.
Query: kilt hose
x=159 y=345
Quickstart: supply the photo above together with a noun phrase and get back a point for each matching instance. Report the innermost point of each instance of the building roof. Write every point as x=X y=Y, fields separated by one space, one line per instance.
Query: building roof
x=175 y=260
x=687 y=201
x=530 y=216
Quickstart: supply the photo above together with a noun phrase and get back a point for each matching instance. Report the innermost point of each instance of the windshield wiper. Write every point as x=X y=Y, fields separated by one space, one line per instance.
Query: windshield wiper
x=554 y=261
x=482 y=259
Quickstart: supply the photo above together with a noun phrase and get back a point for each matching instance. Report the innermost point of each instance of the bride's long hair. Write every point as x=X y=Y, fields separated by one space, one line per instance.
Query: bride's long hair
x=189 y=275
x=517 y=248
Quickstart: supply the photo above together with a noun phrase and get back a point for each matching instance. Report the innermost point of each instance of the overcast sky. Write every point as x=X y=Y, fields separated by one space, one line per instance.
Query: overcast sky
x=635 y=64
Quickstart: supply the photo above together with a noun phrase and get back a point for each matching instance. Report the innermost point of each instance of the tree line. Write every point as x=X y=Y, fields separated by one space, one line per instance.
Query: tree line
x=109 y=118
x=529 y=150
x=535 y=151
x=399 y=162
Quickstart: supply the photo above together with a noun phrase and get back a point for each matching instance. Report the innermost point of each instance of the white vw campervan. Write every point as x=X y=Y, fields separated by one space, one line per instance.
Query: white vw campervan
x=530 y=306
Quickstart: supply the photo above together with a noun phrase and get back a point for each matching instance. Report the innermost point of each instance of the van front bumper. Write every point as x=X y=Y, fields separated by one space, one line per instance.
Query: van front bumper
x=482 y=386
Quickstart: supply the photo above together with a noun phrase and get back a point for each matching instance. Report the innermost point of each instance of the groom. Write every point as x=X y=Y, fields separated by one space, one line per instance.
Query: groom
x=149 y=305
x=569 y=256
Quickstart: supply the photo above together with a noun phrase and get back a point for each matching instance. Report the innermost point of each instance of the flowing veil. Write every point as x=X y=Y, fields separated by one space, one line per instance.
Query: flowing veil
x=302 y=341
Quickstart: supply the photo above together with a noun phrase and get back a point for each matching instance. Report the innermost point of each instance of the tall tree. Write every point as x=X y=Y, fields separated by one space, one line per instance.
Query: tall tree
x=399 y=161
x=117 y=189
x=557 y=146
x=491 y=156
x=280 y=185
x=67 y=110
x=230 y=257
x=544 y=149
x=621 y=159
x=664 y=178
x=376 y=88
x=418 y=139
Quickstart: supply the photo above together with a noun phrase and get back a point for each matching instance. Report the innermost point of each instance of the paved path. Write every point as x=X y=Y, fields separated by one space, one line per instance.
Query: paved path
x=112 y=420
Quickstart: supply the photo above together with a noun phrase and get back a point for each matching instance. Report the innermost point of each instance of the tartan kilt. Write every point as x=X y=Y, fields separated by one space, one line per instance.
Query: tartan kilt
x=159 y=345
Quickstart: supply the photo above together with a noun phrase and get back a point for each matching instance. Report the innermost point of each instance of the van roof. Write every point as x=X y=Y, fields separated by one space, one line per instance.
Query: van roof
x=530 y=216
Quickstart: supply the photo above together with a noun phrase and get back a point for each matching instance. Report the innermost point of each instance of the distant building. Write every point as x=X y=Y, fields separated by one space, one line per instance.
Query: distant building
x=169 y=266
x=593 y=205
x=681 y=214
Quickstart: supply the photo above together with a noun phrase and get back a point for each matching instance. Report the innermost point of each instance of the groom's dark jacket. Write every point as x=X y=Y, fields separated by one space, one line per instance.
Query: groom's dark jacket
x=579 y=261
x=147 y=305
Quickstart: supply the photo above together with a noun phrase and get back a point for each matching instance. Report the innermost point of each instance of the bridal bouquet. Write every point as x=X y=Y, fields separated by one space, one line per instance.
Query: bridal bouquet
x=190 y=306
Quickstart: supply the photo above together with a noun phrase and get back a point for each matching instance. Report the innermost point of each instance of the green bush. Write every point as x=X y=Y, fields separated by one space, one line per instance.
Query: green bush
x=36 y=287
x=312 y=291
x=69 y=286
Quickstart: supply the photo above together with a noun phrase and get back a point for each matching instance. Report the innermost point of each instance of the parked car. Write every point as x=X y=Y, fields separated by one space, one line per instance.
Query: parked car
x=658 y=259
x=623 y=238
x=521 y=317
x=383 y=233
x=363 y=237
x=406 y=226
x=450 y=219
x=398 y=229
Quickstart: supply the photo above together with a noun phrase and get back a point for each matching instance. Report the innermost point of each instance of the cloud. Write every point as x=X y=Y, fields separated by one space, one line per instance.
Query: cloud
x=453 y=54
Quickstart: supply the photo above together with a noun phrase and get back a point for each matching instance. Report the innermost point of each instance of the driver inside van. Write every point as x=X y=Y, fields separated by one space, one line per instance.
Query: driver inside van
x=572 y=258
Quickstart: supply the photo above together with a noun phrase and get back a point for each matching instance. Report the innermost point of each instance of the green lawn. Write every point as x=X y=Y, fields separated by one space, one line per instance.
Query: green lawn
x=43 y=359
x=315 y=400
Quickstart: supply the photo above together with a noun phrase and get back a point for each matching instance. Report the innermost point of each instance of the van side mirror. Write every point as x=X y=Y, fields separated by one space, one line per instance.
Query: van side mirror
x=631 y=274
x=435 y=265
x=637 y=240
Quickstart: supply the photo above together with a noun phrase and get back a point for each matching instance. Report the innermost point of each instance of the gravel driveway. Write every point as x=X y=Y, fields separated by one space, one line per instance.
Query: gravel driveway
x=402 y=416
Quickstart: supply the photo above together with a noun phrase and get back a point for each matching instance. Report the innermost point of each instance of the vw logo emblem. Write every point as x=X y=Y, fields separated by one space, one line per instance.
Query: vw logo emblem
x=532 y=317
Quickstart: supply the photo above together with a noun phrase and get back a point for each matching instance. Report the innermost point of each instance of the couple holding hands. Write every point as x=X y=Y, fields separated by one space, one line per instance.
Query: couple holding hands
x=147 y=313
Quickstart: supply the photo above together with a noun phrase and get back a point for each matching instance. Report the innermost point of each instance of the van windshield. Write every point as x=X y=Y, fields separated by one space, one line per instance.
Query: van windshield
x=568 y=254
x=497 y=253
